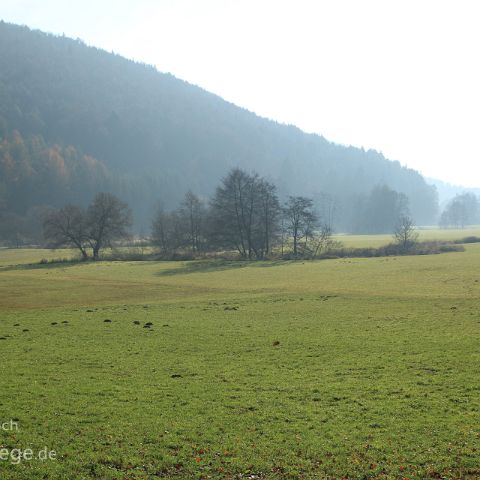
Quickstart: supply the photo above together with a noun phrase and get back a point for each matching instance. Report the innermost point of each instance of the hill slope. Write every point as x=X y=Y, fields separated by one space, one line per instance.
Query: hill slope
x=75 y=119
x=447 y=191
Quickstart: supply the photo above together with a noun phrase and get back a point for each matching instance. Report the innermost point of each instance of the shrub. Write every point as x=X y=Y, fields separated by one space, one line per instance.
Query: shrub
x=470 y=239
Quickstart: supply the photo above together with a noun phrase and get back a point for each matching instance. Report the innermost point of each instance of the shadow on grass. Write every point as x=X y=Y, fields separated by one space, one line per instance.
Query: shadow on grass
x=51 y=264
x=206 y=266
x=184 y=267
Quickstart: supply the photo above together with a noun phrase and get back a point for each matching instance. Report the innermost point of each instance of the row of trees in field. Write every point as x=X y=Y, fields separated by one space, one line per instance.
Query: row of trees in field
x=245 y=215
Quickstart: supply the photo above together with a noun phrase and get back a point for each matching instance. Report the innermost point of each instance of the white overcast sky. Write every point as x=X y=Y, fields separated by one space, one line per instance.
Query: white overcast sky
x=400 y=76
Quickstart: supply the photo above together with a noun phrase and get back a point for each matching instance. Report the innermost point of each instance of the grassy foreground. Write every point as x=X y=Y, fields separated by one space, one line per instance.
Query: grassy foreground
x=356 y=369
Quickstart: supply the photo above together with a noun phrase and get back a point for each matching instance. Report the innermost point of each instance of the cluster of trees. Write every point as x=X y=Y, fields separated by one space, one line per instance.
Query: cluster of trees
x=92 y=121
x=33 y=173
x=105 y=220
x=35 y=176
x=181 y=228
x=380 y=211
x=17 y=230
x=462 y=210
x=245 y=214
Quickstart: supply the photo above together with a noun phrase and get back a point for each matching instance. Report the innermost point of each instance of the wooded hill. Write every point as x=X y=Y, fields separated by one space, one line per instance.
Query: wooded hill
x=75 y=120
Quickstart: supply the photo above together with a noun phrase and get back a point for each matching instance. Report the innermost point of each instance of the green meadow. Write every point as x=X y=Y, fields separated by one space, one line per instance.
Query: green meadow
x=333 y=369
x=424 y=234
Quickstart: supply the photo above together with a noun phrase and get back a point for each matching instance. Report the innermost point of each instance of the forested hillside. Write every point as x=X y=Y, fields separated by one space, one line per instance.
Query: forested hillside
x=75 y=120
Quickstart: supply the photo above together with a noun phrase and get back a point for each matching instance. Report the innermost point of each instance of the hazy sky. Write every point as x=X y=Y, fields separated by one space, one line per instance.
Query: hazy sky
x=401 y=76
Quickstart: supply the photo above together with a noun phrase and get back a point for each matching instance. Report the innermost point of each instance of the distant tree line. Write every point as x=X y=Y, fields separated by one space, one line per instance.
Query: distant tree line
x=380 y=211
x=244 y=215
x=462 y=210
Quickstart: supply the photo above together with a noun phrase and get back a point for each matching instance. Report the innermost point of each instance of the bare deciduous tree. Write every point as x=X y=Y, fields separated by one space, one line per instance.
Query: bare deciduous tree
x=168 y=232
x=160 y=230
x=405 y=234
x=226 y=213
x=269 y=215
x=300 y=219
x=107 y=220
x=193 y=213
x=244 y=214
x=67 y=227
x=322 y=240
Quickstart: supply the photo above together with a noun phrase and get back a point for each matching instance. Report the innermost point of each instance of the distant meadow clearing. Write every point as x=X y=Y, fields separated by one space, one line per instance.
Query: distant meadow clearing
x=361 y=368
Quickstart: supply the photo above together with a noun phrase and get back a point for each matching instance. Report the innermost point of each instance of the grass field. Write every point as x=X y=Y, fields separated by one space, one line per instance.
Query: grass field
x=334 y=369
x=424 y=234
